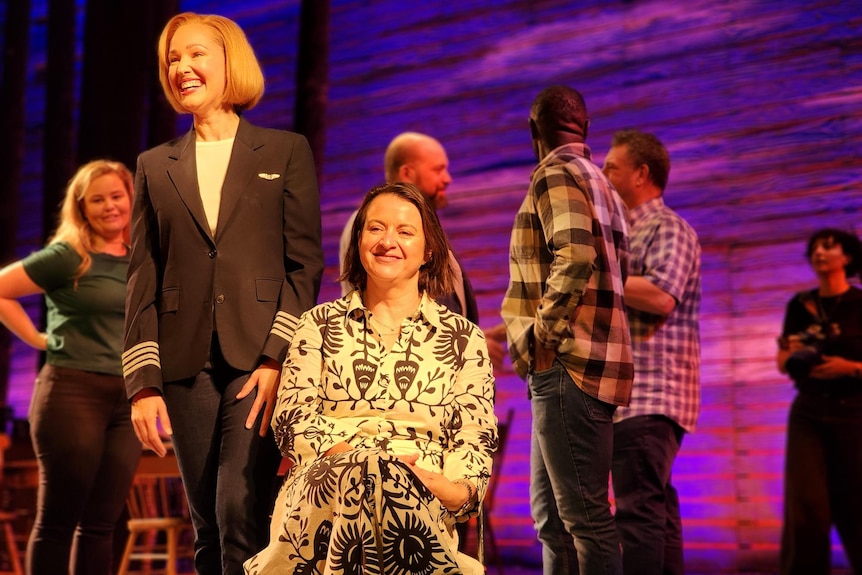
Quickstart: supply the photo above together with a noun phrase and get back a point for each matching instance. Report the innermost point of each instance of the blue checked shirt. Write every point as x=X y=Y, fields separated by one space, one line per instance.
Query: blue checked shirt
x=567 y=265
x=665 y=250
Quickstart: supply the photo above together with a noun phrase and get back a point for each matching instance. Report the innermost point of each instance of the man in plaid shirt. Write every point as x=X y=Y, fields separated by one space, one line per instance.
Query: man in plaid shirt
x=663 y=299
x=569 y=337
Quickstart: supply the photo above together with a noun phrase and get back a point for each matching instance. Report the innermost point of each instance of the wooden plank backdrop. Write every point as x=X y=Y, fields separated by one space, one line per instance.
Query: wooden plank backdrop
x=759 y=104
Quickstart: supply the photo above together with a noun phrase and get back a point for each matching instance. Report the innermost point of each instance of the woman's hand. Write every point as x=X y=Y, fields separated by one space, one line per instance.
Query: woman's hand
x=266 y=379
x=148 y=409
x=13 y=316
x=786 y=347
x=453 y=496
x=834 y=367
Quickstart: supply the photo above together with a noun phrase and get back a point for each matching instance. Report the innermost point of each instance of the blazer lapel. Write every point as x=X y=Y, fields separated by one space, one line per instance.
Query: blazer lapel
x=183 y=174
x=240 y=172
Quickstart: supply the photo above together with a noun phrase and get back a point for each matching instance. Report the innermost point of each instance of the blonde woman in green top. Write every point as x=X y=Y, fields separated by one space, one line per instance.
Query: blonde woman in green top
x=79 y=415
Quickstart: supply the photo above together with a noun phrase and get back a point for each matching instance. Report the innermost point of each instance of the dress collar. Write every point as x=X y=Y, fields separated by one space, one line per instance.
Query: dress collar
x=427 y=311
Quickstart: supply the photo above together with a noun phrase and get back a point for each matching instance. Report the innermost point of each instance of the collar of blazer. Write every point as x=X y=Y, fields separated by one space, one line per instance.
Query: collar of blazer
x=241 y=172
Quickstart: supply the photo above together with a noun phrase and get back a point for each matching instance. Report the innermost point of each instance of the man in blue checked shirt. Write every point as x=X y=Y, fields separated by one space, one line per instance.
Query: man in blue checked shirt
x=569 y=337
x=662 y=294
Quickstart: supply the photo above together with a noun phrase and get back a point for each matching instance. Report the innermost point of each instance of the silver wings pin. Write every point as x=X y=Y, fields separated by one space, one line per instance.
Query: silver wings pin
x=265 y=176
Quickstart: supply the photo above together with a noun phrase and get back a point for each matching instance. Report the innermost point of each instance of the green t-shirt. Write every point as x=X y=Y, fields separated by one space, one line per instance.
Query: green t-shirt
x=85 y=322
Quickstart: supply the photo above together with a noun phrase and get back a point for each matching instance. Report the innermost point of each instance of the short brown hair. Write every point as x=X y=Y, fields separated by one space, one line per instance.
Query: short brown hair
x=646 y=149
x=244 y=78
x=435 y=276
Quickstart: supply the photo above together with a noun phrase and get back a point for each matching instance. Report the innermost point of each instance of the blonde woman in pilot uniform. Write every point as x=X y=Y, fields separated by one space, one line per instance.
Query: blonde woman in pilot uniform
x=225 y=257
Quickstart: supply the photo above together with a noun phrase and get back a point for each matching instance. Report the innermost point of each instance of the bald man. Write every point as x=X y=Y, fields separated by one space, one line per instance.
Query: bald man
x=421 y=160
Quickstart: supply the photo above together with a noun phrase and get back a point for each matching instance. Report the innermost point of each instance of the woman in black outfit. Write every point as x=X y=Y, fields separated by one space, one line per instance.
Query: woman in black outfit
x=226 y=257
x=821 y=349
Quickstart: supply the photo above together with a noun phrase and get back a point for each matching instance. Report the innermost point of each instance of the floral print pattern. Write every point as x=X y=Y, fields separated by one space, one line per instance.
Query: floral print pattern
x=364 y=511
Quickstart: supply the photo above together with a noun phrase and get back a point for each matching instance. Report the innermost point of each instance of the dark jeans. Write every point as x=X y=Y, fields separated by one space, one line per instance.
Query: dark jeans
x=87 y=454
x=647 y=517
x=228 y=471
x=570 y=460
x=822 y=482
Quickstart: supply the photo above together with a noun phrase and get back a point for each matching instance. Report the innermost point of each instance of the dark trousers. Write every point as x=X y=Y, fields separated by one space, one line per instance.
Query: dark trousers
x=822 y=482
x=228 y=471
x=648 y=519
x=87 y=454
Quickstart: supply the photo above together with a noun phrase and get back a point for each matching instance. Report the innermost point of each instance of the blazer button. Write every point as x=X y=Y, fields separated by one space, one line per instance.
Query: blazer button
x=220 y=299
x=212 y=253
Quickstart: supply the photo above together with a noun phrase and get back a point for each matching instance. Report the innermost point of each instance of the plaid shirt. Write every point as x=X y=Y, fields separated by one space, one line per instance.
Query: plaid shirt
x=568 y=260
x=665 y=250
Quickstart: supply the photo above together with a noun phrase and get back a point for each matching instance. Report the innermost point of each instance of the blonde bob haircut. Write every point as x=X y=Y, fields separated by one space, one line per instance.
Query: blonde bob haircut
x=435 y=276
x=243 y=76
x=74 y=229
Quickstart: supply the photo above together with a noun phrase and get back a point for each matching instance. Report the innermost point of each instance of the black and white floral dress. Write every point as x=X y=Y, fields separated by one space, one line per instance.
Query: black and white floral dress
x=363 y=511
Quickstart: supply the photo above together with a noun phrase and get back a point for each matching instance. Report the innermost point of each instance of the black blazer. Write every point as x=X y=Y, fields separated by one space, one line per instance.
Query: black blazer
x=249 y=283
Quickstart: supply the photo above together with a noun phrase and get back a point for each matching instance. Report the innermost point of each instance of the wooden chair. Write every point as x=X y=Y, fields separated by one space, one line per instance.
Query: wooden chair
x=158 y=514
x=7 y=520
x=484 y=525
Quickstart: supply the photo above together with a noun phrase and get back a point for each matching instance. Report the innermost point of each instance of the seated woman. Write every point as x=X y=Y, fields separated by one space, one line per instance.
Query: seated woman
x=385 y=409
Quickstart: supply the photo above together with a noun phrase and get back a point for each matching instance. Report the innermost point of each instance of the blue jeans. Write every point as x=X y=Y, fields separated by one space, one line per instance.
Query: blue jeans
x=228 y=471
x=88 y=453
x=648 y=518
x=570 y=460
